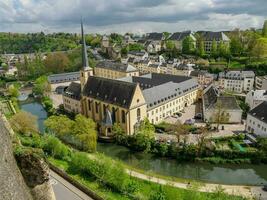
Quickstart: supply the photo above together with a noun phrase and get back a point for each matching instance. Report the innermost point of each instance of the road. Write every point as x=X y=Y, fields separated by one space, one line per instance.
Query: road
x=64 y=190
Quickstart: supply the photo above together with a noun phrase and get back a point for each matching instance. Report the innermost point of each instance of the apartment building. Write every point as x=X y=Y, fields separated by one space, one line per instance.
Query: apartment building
x=261 y=82
x=236 y=81
x=114 y=70
x=257 y=120
x=178 y=37
x=209 y=36
x=256 y=97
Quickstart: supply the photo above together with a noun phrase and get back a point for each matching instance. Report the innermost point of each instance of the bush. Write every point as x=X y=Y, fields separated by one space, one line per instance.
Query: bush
x=55 y=148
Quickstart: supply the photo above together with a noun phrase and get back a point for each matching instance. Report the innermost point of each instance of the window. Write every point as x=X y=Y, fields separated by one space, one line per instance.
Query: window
x=104 y=109
x=138 y=114
x=96 y=107
x=113 y=115
x=89 y=105
x=123 y=116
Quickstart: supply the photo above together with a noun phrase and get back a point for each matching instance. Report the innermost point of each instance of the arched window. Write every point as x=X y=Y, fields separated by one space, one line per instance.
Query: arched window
x=123 y=116
x=138 y=114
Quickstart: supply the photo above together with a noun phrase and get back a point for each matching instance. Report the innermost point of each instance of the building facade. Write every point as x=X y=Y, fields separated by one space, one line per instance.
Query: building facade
x=178 y=38
x=114 y=70
x=261 y=82
x=256 y=97
x=257 y=120
x=237 y=81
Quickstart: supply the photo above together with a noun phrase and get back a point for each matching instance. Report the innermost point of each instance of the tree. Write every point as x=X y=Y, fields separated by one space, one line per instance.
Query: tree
x=144 y=134
x=60 y=125
x=85 y=129
x=214 y=52
x=41 y=86
x=260 y=49
x=13 y=91
x=179 y=130
x=188 y=45
x=201 y=140
x=135 y=47
x=236 y=47
x=223 y=50
x=264 y=29
x=220 y=115
x=118 y=133
x=24 y=122
x=200 y=49
x=56 y=62
x=170 y=45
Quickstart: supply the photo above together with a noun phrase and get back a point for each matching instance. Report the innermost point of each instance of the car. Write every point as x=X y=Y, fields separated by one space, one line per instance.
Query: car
x=264 y=188
x=160 y=131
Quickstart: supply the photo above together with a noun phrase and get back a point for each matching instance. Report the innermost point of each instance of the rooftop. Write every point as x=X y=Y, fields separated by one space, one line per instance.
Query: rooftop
x=64 y=77
x=73 y=91
x=260 y=112
x=116 y=66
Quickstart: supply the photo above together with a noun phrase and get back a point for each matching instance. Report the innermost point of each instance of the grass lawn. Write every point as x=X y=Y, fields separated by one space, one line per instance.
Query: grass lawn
x=145 y=189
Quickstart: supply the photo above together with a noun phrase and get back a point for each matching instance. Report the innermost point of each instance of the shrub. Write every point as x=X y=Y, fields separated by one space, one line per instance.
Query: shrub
x=55 y=148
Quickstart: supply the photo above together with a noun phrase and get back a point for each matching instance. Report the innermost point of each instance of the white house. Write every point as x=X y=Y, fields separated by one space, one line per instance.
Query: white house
x=257 y=120
x=256 y=97
x=236 y=81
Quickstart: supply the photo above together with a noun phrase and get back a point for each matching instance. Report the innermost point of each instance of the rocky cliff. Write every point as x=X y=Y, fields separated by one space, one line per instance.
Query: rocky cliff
x=12 y=185
x=23 y=178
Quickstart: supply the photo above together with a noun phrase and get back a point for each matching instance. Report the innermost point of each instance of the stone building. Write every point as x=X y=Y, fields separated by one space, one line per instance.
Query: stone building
x=128 y=100
x=178 y=37
x=114 y=70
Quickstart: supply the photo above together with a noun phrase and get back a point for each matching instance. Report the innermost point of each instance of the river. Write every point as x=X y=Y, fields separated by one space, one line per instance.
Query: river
x=222 y=174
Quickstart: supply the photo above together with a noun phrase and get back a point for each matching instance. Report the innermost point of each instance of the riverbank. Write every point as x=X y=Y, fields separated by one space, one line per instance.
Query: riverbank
x=170 y=168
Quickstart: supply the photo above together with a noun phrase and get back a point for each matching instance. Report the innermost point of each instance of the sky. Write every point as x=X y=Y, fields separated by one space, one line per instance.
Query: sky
x=136 y=16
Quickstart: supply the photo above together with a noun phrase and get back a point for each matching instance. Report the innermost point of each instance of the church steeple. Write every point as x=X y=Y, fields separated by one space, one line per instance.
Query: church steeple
x=84 y=50
x=86 y=70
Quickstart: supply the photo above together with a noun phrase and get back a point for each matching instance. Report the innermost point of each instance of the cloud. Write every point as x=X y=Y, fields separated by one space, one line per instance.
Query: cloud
x=130 y=15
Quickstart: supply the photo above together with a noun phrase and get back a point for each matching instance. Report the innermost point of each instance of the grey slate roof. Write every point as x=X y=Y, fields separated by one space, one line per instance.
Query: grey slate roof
x=155 y=36
x=168 y=91
x=73 y=91
x=154 y=79
x=64 y=77
x=211 y=98
x=238 y=75
x=180 y=35
x=116 y=66
x=210 y=36
x=260 y=112
x=112 y=91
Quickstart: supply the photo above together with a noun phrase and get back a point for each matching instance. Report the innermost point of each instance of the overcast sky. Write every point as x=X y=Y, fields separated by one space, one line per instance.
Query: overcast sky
x=139 y=16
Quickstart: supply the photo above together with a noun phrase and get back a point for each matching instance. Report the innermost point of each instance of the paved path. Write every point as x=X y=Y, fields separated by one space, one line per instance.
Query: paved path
x=245 y=191
x=64 y=190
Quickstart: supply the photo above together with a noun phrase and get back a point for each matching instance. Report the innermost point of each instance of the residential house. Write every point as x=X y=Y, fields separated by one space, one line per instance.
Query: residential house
x=114 y=70
x=178 y=38
x=261 y=82
x=213 y=103
x=209 y=36
x=256 y=97
x=236 y=81
x=257 y=120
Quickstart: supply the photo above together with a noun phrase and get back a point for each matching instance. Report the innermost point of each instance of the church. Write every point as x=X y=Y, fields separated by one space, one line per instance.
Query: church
x=127 y=100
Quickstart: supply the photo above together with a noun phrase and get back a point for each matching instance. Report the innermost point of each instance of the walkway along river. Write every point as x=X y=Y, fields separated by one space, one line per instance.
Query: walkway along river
x=222 y=174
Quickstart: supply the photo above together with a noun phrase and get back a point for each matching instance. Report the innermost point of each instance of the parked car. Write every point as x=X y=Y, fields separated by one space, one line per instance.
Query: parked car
x=264 y=188
x=160 y=131
x=178 y=114
x=189 y=122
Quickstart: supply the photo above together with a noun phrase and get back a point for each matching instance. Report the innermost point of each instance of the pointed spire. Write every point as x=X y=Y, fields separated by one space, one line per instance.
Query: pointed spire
x=84 y=50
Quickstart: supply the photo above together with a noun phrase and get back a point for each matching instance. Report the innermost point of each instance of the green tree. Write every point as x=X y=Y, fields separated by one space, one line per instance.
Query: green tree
x=41 y=86
x=220 y=115
x=144 y=134
x=264 y=29
x=56 y=62
x=214 y=52
x=13 y=91
x=85 y=129
x=200 y=49
x=188 y=45
x=60 y=125
x=118 y=133
x=260 y=49
x=24 y=122
x=236 y=47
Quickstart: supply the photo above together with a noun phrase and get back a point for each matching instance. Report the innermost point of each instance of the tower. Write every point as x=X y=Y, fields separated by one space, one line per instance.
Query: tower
x=86 y=70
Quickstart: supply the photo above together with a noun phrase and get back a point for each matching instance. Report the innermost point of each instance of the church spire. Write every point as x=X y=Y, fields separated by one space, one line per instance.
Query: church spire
x=84 y=50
